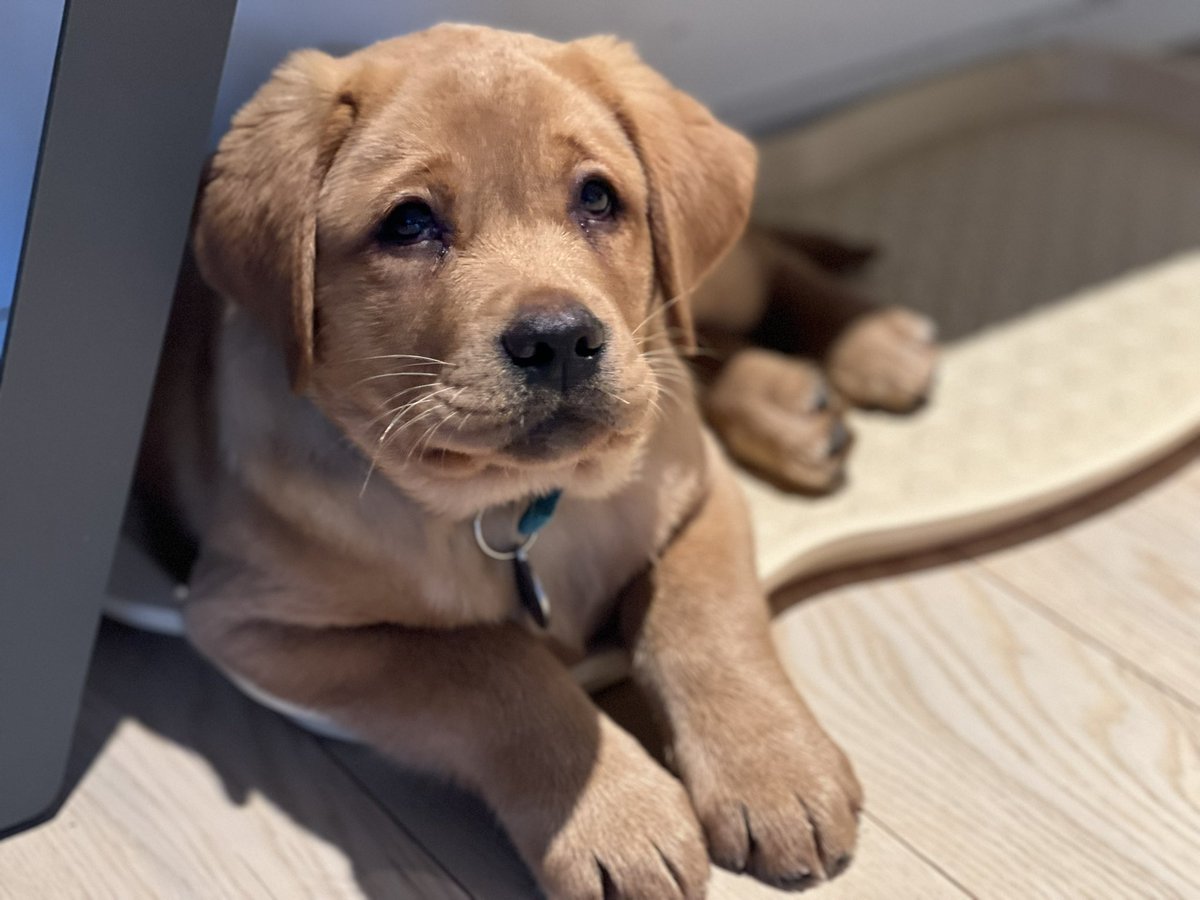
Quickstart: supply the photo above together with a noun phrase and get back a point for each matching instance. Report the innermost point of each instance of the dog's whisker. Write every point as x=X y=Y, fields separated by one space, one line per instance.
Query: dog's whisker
x=417 y=443
x=429 y=438
x=400 y=413
x=392 y=410
x=370 y=471
x=401 y=408
x=668 y=390
x=385 y=439
x=418 y=447
x=431 y=359
x=380 y=444
x=392 y=423
x=413 y=389
x=668 y=395
x=613 y=396
x=396 y=375
x=362 y=492
x=413 y=365
x=667 y=352
x=665 y=331
x=674 y=378
x=659 y=412
x=663 y=364
x=669 y=333
x=413 y=421
x=398 y=372
x=658 y=309
x=441 y=390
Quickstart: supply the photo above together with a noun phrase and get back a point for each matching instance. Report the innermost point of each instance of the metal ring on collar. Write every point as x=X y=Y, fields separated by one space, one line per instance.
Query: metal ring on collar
x=492 y=551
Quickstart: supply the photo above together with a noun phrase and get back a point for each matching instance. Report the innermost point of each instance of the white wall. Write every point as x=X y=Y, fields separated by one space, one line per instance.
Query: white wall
x=756 y=62
x=731 y=54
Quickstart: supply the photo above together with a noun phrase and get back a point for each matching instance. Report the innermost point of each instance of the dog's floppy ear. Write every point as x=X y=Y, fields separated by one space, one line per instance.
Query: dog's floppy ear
x=700 y=172
x=255 y=233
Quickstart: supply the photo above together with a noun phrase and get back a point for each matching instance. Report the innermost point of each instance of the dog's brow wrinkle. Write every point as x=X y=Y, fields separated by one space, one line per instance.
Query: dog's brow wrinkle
x=413 y=172
x=578 y=145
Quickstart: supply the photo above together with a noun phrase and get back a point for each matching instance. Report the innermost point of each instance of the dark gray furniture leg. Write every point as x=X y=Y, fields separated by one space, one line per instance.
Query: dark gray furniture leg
x=124 y=141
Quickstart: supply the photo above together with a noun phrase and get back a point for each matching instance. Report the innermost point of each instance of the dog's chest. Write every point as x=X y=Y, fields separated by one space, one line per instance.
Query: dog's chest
x=583 y=558
x=584 y=564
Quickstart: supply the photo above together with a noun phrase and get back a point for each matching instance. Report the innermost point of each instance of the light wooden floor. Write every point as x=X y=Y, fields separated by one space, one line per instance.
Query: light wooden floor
x=1024 y=713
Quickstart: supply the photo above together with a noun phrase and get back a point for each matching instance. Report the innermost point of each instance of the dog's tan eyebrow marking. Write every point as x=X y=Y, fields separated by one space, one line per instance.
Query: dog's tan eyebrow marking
x=419 y=176
x=426 y=167
x=579 y=147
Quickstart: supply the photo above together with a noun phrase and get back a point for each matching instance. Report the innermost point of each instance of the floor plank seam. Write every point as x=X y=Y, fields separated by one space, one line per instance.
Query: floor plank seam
x=1065 y=624
x=387 y=812
x=915 y=851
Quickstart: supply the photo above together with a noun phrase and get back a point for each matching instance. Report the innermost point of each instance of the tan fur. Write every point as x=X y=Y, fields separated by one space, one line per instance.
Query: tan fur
x=783 y=289
x=337 y=567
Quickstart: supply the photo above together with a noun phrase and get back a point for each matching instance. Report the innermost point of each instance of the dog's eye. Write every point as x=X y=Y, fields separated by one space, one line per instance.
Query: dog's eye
x=597 y=198
x=410 y=222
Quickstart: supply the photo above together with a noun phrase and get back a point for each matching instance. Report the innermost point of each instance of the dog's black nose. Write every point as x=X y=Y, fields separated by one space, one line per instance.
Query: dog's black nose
x=556 y=348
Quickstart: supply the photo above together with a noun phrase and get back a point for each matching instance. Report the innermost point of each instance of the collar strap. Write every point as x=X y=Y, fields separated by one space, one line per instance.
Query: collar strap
x=537 y=516
x=538 y=513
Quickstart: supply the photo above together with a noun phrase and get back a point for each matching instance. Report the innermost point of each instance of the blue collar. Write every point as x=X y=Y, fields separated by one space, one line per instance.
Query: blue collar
x=538 y=514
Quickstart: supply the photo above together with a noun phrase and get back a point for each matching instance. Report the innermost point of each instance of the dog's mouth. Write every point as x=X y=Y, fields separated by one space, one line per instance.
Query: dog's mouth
x=536 y=433
x=563 y=433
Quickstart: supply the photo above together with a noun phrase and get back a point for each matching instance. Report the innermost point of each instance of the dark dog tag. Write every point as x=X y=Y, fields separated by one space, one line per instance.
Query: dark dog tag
x=529 y=589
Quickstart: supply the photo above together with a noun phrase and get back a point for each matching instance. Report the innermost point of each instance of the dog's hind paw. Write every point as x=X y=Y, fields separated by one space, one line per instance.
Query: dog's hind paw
x=777 y=416
x=885 y=360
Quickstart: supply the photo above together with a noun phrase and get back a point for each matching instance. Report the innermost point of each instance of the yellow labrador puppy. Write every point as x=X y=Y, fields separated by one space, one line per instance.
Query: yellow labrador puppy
x=423 y=416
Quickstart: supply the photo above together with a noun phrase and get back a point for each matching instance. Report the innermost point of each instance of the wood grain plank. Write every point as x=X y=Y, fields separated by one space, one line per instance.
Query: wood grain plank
x=1020 y=759
x=461 y=834
x=1129 y=580
x=883 y=869
x=187 y=789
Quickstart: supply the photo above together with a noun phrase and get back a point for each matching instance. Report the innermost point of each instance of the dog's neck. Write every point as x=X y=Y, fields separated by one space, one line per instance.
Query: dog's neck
x=537 y=515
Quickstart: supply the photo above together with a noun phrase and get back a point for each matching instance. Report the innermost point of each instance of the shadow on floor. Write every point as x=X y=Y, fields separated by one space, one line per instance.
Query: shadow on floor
x=163 y=685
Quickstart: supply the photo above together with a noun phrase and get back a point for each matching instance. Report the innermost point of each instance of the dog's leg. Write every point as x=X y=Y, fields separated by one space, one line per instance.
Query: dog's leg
x=780 y=290
x=490 y=708
x=833 y=254
x=775 y=795
x=776 y=415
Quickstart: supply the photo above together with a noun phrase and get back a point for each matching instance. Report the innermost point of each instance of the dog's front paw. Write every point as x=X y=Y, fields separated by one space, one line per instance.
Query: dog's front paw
x=778 y=801
x=775 y=414
x=629 y=832
x=885 y=360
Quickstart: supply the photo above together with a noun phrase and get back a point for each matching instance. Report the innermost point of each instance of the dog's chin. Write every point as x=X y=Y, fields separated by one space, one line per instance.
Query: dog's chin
x=582 y=454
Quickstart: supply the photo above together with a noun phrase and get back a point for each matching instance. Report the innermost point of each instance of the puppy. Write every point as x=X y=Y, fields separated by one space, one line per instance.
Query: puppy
x=438 y=288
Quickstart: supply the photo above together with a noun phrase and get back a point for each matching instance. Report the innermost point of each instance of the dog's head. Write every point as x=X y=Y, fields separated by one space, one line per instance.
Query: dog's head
x=473 y=248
